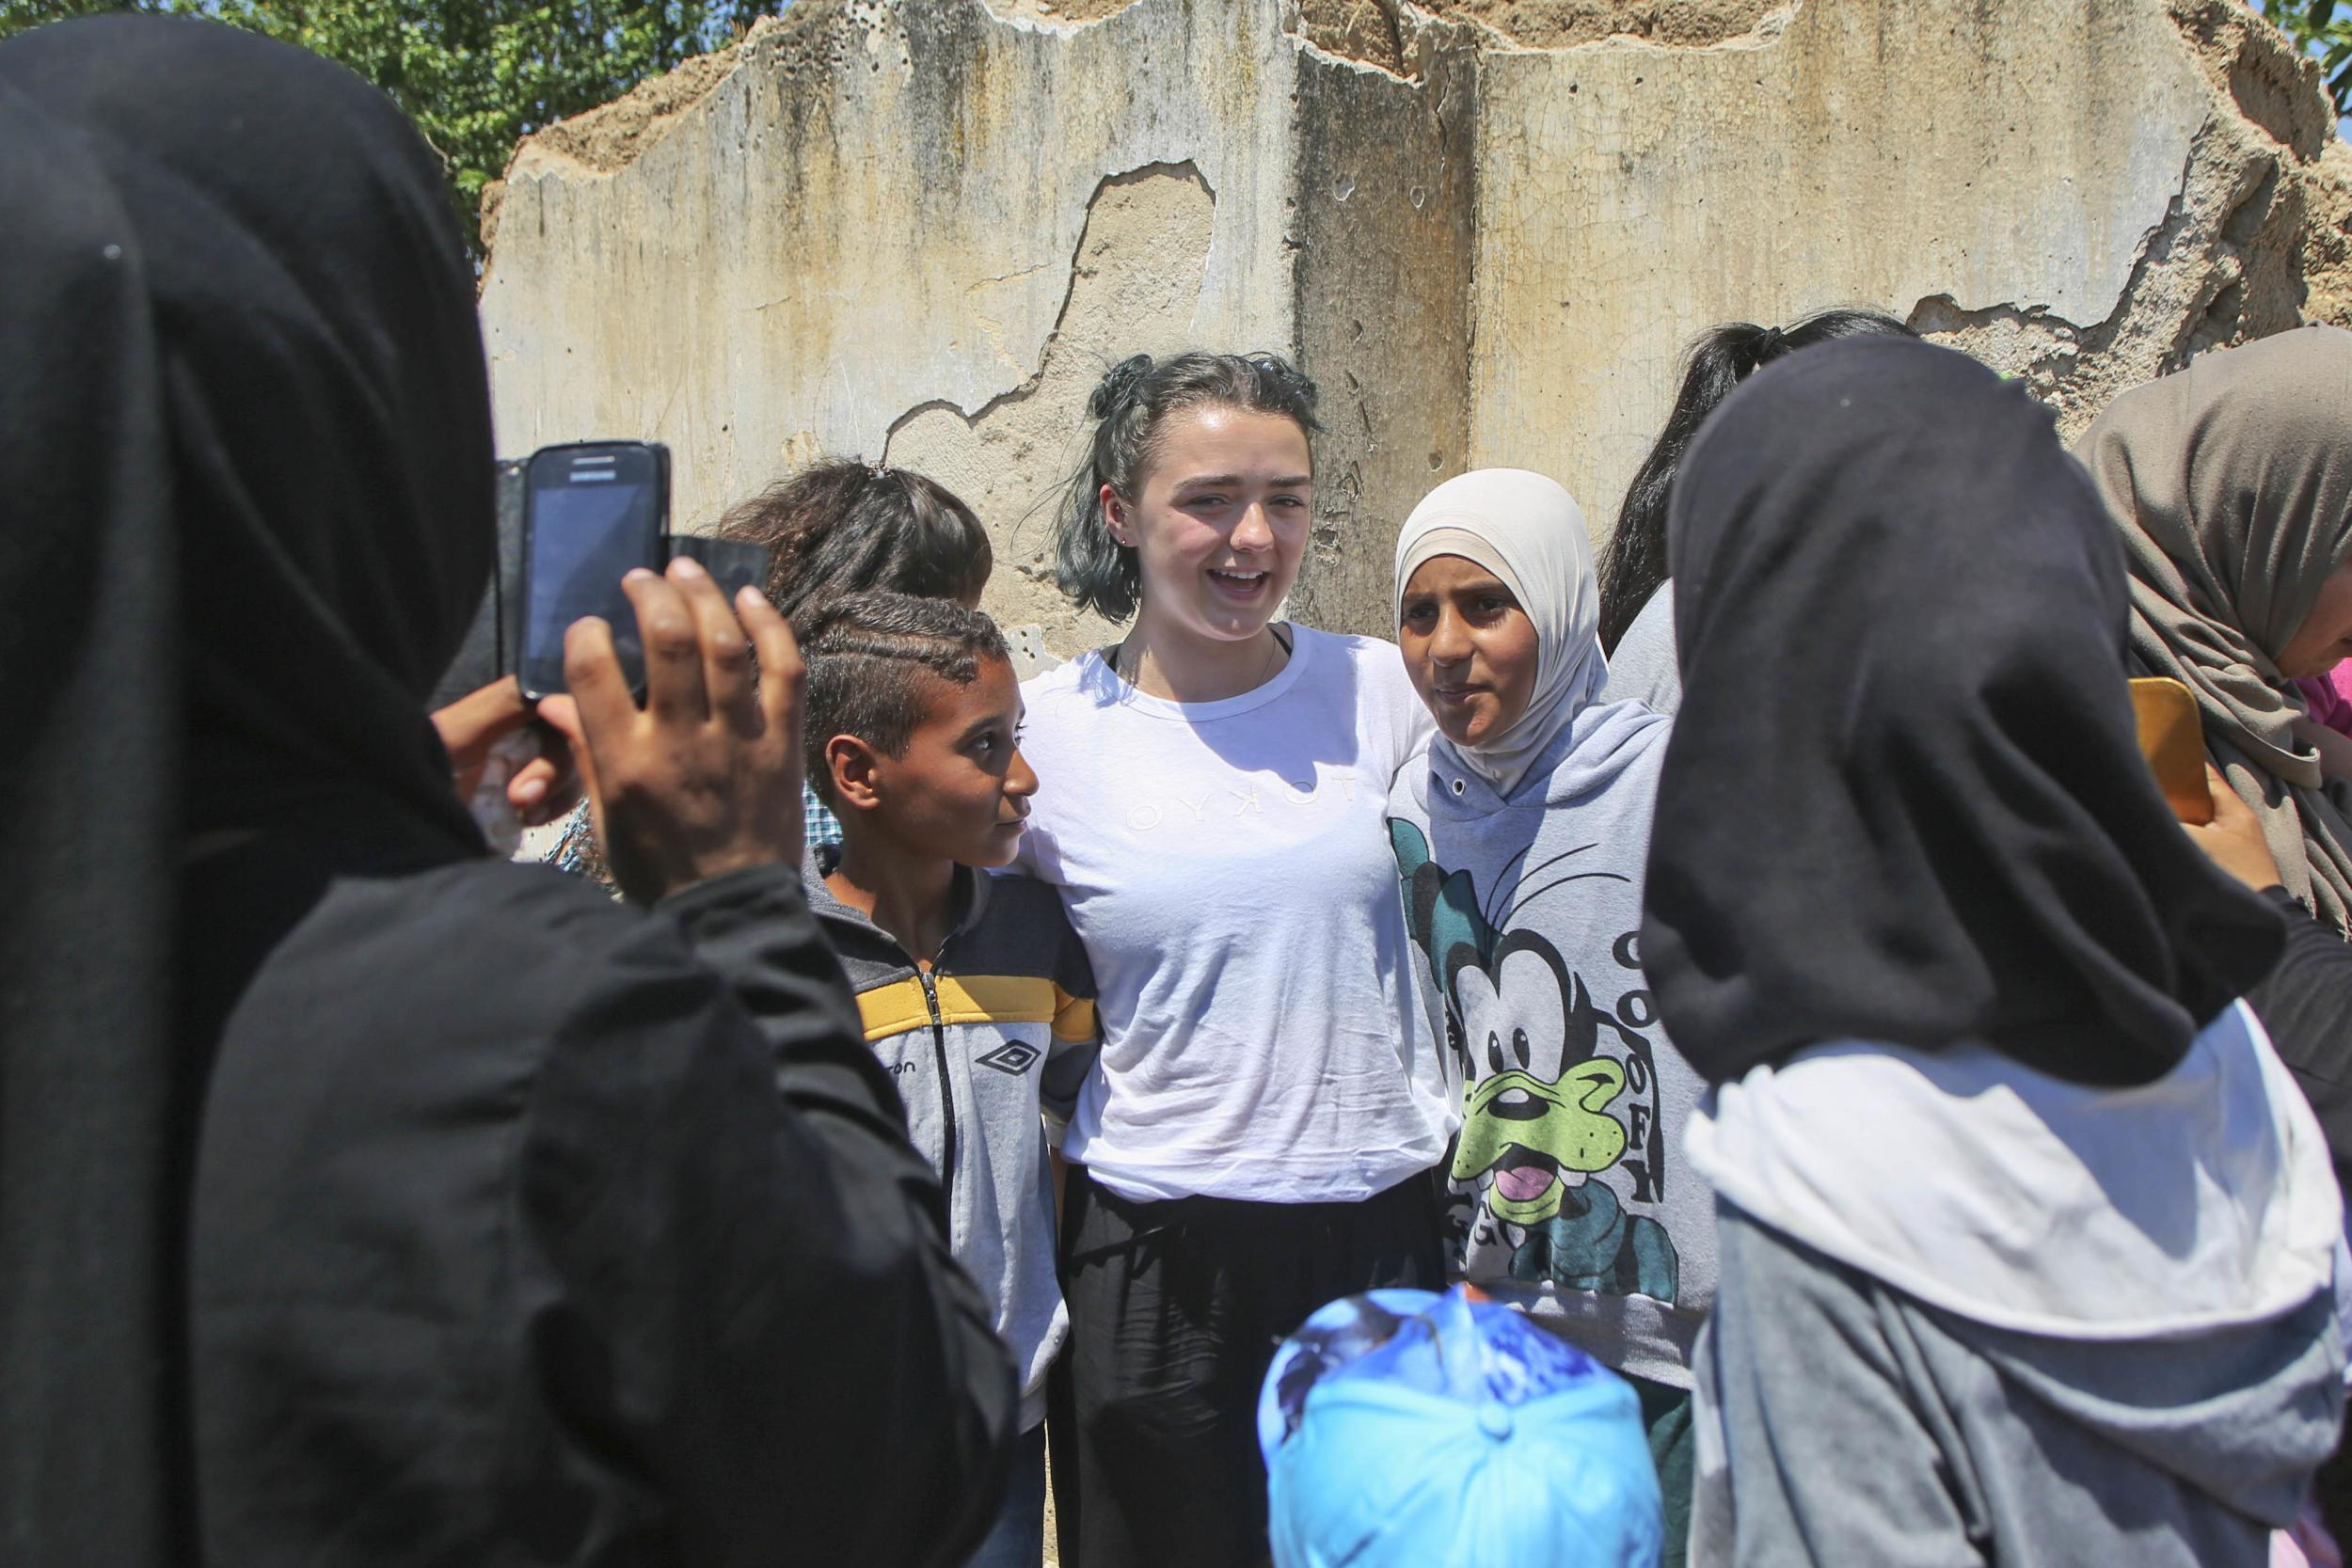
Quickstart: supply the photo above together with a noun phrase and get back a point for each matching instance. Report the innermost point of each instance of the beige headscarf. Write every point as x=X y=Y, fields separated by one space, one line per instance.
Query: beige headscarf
x=2231 y=481
x=1530 y=533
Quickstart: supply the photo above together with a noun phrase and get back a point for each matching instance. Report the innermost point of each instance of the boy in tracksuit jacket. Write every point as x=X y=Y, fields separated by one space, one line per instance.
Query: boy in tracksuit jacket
x=973 y=988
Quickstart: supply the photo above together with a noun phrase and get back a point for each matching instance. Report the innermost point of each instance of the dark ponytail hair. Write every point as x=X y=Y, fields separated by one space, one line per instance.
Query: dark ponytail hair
x=1096 y=570
x=852 y=528
x=1632 y=563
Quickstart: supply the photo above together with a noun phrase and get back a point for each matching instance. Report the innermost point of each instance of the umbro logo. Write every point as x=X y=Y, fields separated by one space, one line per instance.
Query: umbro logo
x=1012 y=1057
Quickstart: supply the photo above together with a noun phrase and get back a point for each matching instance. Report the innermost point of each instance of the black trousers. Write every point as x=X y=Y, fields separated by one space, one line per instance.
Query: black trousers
x=1175 y=1311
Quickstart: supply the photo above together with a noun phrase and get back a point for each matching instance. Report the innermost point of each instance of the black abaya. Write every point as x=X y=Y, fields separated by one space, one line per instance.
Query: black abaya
x=364 y=1199
x=89 y=834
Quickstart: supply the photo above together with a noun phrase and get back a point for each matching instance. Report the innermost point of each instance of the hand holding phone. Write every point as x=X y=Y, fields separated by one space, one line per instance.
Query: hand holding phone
x=512 y=772
x=2234 y=839
x=705 y=778
x=591 y=513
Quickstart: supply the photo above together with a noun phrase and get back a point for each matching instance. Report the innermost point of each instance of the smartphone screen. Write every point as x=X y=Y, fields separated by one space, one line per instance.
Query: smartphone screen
x=593 y=514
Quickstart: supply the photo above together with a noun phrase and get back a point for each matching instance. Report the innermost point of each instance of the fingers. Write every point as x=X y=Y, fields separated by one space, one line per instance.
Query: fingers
x=531 y=784
x=545 y=788
x=562 y=715
x=2234 y=838
x=550 y=784
x=703 y=778
x=729 y=683
x=469 y=725
x=782 y=672
x=600 y=701
x=674 y=654
x=2228 y=809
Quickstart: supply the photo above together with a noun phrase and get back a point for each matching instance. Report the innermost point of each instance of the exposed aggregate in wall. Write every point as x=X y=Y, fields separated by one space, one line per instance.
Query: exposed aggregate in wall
x=2253 y=242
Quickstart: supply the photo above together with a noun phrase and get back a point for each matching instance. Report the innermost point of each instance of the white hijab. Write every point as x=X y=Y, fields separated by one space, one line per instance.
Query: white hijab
x=1530 y=533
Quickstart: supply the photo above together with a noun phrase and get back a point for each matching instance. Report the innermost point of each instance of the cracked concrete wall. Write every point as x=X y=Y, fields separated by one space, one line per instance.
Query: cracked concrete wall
x=1135 y=276
x=920 y=230
x=1883 y=154
x=1382 y=213
x=875 y=208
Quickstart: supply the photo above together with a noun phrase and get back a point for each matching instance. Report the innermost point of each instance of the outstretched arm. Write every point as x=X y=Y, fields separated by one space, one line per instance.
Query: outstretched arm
x=749 y=1297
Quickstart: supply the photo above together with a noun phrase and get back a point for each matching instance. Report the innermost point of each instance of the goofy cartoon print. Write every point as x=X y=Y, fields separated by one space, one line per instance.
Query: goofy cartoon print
x=1560 y=1115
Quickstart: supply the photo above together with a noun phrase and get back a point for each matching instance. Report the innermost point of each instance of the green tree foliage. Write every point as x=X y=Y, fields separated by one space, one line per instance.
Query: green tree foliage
x=476 y=76
x=2321 y=29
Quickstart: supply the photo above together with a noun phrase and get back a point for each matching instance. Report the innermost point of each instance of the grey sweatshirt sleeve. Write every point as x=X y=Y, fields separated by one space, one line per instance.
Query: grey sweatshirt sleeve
x=1811 y=1451
x=1644 y=666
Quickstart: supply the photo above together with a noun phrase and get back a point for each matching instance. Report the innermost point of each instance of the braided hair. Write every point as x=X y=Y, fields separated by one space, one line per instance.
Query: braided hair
x=869 y=657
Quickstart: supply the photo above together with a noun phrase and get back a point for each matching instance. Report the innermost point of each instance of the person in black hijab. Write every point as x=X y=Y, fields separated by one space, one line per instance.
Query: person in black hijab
x=364 y=1198
x=2028 y=1239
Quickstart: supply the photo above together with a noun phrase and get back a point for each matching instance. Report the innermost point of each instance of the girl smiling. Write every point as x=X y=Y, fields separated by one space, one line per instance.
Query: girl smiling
x=1258 y=1134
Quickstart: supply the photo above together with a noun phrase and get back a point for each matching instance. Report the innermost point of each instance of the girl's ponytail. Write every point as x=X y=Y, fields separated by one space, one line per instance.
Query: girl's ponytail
x=1632 y=563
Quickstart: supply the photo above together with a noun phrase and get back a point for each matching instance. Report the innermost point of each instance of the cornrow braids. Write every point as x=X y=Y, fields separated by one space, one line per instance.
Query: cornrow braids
x=1092 y=569
x=869 y=656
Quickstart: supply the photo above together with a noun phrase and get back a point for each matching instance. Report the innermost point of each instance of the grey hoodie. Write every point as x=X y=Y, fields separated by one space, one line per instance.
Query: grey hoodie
x=1001 y=1028
x=1570 y=1197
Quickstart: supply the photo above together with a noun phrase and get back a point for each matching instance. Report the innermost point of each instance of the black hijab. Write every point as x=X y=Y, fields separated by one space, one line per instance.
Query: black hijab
x=1903 y=803
x=246 y=500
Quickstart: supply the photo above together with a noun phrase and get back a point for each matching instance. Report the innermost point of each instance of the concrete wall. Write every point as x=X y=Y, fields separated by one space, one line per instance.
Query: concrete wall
x=917 y=230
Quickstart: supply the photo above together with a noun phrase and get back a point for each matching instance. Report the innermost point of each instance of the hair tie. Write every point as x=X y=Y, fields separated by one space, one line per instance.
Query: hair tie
x=1766 y=345
x=1118 y=384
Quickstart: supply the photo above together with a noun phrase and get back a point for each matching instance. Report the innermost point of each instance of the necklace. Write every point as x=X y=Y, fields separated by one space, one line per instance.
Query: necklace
x=1127 y=663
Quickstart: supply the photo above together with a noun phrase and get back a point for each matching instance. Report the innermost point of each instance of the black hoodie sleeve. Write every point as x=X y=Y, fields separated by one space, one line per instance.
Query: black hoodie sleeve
x=830 y=1388
x=2306 y=1004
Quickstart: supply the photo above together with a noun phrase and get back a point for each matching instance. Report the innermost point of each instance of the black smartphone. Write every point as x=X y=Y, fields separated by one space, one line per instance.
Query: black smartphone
x=591 y=513
x=732 y=563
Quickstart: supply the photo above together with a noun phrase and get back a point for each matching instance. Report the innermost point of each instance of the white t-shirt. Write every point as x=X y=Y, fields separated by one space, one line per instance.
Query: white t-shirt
x=1228 y=866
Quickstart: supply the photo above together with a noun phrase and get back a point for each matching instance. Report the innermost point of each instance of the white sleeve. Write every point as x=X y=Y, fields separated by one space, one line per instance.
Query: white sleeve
x=1393 y=709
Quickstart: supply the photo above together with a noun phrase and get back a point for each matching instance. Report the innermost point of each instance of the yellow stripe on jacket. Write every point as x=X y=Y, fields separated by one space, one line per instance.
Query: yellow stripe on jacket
x=901 y=1005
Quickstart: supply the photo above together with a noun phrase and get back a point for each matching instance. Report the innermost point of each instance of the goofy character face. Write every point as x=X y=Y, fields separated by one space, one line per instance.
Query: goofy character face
x=1536 y=1117
x=1558 y=1088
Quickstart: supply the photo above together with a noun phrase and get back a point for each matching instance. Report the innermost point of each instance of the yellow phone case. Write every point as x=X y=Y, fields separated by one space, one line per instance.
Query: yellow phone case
x=2172 y=739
